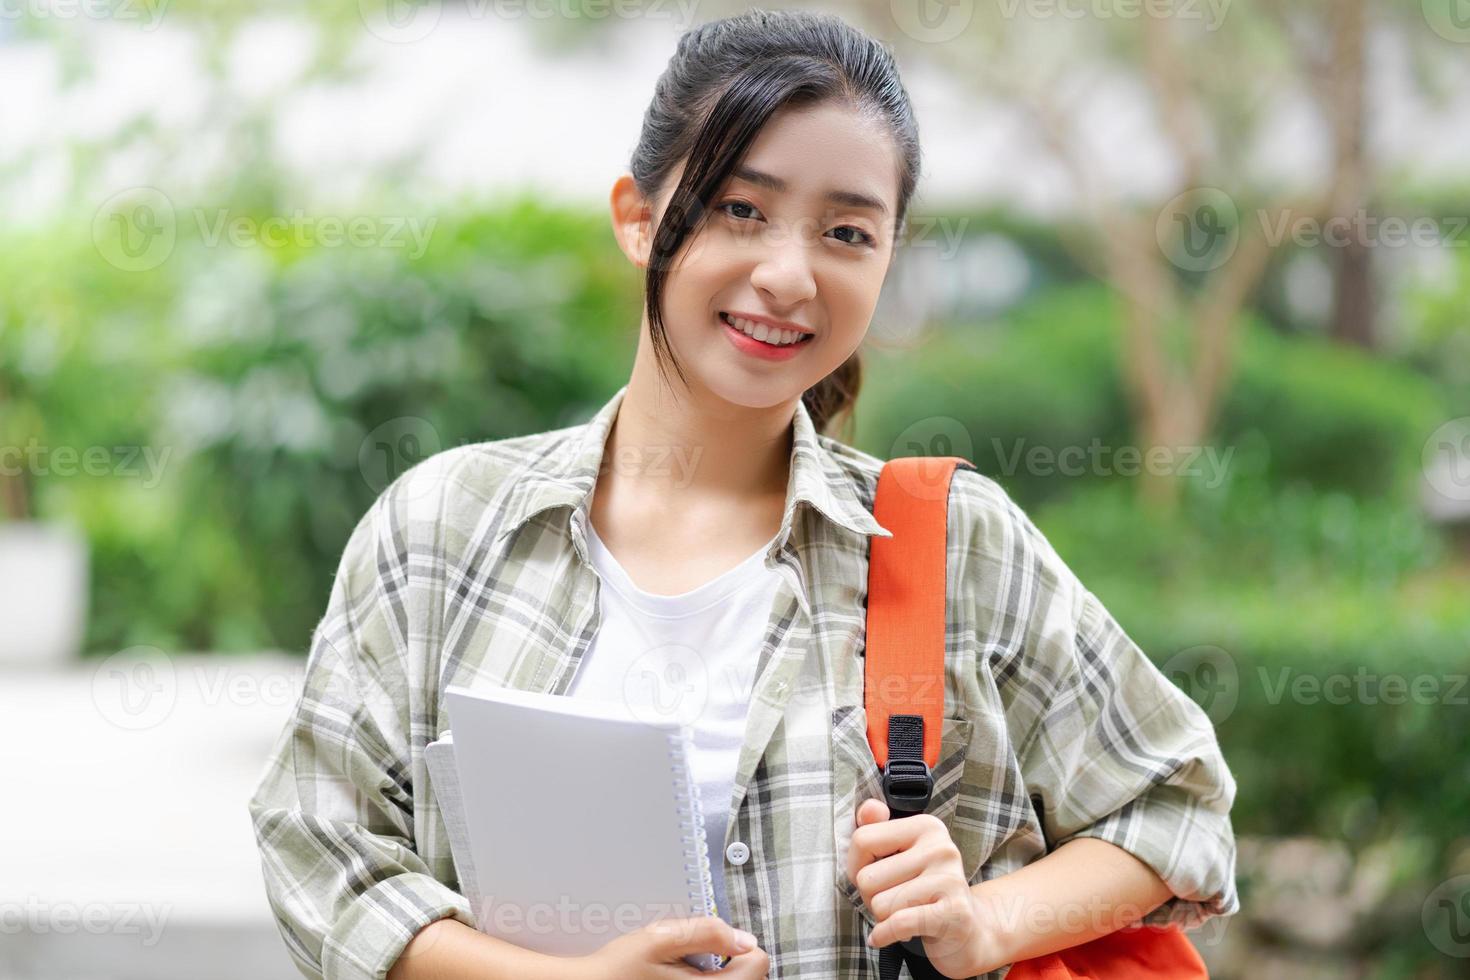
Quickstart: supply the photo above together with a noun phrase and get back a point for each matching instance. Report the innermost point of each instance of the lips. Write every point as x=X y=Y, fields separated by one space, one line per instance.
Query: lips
x=765 y=332
x=760 y=349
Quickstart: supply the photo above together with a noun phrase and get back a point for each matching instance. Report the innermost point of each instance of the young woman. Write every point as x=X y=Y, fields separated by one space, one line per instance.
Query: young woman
x=700 y=547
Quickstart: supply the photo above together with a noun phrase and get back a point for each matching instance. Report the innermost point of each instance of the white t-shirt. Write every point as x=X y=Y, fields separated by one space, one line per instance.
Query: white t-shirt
x=688 y=657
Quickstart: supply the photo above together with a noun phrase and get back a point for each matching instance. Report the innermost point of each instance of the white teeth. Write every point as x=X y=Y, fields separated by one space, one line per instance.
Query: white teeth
x=764 y=333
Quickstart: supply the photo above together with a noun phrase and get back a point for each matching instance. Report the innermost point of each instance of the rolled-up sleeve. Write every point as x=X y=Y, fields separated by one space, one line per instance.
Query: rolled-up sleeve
x=333 y=812
x=1110 y=748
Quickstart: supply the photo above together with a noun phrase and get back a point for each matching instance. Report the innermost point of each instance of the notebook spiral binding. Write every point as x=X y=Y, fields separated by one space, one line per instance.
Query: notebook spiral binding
x=700 y=878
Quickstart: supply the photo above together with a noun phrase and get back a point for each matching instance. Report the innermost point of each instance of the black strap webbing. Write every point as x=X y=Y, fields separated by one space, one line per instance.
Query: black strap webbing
x=906 y=749
x=892 y=956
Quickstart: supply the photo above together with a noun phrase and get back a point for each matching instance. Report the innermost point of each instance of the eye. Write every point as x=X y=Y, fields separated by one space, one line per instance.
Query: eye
x=738 y=204
x=864 y=237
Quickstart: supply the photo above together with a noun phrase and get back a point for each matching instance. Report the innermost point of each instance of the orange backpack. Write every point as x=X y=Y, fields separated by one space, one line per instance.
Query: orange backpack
x=905 y=641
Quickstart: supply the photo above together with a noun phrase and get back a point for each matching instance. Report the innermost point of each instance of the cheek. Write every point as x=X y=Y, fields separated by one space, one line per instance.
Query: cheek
x=700 y=275
x=851 y=299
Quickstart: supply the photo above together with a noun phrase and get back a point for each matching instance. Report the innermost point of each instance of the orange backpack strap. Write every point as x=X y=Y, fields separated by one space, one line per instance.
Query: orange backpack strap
x=903 y=658
x=903 y=669
x=903 y=678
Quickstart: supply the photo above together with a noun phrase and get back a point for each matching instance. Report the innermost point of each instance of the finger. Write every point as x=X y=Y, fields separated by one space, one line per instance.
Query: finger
x=930 y=854
x=755 y=965
x=676 y=938
x=905 y=924
x=871 y=810
x=915 y=892
x=879 y=840
x=879 y=876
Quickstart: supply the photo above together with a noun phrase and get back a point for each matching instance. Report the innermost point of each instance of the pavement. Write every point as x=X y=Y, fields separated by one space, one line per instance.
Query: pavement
x=128 y=852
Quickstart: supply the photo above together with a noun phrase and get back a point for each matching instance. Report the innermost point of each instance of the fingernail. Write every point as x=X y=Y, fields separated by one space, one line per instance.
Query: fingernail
x=744 y=941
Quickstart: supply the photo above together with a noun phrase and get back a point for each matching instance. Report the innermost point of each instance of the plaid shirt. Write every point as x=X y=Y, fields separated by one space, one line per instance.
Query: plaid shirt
x=472 y=569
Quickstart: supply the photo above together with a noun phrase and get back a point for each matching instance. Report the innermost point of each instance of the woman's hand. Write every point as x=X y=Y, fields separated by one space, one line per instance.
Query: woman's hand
x=912 y=876
x=656 y=952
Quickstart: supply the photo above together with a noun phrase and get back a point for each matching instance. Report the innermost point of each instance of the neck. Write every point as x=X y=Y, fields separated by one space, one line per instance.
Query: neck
x=669 y=437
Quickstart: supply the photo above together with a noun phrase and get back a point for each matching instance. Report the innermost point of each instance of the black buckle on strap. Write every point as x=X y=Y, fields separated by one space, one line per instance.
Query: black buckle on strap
x=907 y=782
x=907 y=785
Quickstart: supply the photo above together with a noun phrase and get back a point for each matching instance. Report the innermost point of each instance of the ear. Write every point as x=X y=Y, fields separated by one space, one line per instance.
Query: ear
x=632 y=220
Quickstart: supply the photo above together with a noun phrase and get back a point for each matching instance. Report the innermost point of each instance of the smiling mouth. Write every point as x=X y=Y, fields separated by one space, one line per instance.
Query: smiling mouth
x=766 y=335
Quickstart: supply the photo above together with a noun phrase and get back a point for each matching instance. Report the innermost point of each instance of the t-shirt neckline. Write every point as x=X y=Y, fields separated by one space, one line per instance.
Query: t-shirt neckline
x=696 y=600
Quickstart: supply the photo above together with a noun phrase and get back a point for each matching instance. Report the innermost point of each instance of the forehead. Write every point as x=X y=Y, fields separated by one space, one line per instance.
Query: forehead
x=832 y=146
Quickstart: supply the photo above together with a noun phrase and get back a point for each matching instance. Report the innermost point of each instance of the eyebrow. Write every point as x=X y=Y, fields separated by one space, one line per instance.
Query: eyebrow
x=770 y=181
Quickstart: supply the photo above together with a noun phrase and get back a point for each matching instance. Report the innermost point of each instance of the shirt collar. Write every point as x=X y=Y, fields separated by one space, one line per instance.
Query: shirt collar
x=567 y=473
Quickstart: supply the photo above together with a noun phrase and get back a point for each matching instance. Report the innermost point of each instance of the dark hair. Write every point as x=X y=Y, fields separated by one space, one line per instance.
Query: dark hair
x=724 y=81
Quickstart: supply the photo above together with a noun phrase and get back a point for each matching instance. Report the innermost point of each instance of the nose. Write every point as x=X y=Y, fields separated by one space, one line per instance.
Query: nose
x=783 y=272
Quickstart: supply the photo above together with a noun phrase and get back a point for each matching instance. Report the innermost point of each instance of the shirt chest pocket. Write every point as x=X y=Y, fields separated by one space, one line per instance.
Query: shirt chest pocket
x=856 y=777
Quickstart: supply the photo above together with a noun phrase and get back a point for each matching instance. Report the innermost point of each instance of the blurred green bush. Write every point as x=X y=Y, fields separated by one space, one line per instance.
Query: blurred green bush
x=284 y=387
x=1047 y=375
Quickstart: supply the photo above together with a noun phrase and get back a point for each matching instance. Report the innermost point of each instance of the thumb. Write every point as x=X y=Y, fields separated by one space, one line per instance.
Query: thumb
x=700 y=934
x=872 y=810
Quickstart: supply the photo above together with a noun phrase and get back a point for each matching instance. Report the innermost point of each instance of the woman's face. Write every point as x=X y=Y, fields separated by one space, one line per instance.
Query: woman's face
x=802 y=236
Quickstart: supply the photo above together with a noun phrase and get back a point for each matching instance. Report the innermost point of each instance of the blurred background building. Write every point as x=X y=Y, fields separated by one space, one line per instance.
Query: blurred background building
x=1190 y=279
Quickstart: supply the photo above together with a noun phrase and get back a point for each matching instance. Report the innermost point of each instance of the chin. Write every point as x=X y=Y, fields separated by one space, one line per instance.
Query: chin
x=766 y=393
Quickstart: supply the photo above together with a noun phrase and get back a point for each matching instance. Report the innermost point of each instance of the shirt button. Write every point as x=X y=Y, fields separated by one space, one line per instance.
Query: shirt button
x=737 y=853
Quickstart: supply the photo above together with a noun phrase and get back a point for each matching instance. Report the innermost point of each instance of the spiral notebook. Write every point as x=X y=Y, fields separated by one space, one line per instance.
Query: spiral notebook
x=577 y=821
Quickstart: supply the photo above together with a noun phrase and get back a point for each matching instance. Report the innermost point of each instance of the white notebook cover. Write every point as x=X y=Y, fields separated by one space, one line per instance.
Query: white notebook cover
x=439 y=757
x=583 y=821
